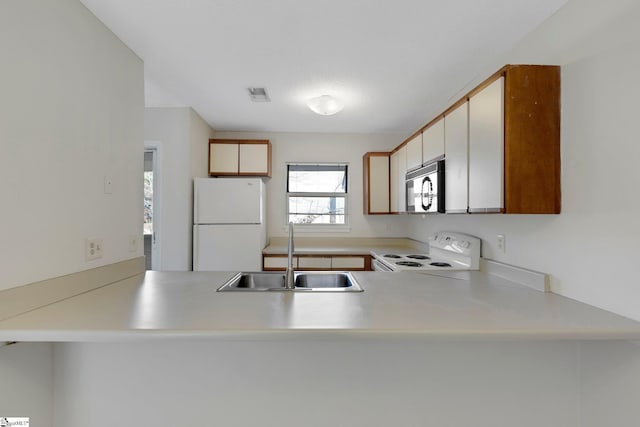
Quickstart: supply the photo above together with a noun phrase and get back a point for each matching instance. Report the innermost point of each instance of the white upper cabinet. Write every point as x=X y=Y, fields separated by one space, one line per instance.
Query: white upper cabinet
x=486 y=149
x=239 y=157
x=456 y=131
x=414 y=152
x=433 y=142
x=254 y=159
x=398 y=171
x=223 y=158
x=376 y=183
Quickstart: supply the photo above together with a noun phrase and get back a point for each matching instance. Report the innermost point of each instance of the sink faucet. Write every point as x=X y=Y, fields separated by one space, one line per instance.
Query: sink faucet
x=289 y=275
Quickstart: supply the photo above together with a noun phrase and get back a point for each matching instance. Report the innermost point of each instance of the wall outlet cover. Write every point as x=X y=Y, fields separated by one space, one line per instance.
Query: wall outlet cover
x=93 y=249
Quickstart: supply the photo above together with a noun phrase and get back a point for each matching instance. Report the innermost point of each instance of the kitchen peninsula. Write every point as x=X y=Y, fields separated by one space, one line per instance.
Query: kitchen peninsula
x=411 y=347
x=458 y=305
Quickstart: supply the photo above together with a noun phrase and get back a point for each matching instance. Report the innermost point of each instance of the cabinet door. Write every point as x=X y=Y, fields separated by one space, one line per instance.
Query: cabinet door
x=376 y=169
x=433 y=142
x=398 y=171
x=254 y=159
x=401 y=179
x=414 y=152
x=394 y=161
x=486 y=148
x=223 y=158
x=456 y=125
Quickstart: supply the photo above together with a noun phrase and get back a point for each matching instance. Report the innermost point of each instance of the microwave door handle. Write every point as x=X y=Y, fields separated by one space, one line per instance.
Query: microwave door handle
x=430 y=194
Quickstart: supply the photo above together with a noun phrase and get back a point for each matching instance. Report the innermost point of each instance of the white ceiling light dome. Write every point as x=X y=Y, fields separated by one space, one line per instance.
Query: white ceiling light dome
x=325 y=105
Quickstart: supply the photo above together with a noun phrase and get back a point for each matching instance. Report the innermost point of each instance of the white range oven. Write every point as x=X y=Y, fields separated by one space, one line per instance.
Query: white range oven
x=447 y=251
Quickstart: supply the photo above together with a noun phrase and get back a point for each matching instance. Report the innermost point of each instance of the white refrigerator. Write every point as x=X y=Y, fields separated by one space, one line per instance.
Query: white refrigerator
x=229 y=230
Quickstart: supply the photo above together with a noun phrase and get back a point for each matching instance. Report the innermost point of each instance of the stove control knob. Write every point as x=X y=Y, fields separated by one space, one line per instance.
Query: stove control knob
x=465 y=244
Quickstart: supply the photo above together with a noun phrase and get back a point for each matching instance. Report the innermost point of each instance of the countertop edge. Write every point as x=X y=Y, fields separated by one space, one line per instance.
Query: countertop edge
x=317 y=334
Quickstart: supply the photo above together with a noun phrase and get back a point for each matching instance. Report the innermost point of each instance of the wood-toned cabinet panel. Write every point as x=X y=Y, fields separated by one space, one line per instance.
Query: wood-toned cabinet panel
x=433 y=142
x=486 y=149
x=532 y=140
x=456 y=126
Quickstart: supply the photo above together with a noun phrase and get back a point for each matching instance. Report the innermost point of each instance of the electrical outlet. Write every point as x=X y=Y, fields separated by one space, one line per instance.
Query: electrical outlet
x=133 y=243
x=501 y=243
x=93 y=249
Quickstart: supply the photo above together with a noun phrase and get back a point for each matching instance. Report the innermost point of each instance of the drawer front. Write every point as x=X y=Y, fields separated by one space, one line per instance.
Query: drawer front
x=346 y=263
x=314 y=262
x=277 y=262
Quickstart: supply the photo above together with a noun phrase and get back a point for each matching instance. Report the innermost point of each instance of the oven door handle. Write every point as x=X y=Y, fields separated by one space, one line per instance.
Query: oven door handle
x=429 y=194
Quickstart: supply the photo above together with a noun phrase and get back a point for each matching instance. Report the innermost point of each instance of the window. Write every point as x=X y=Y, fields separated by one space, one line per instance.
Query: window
x=317 y=194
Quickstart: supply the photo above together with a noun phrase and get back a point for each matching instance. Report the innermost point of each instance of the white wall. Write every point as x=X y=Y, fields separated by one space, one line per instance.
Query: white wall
x=71 y=112
x=597 y=45
x=183 y=138
x=26 y=382
x=315 y=147
x=318 y=383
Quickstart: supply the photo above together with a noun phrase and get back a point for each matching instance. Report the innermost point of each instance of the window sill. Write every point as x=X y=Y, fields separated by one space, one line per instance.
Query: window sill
x=304 y=228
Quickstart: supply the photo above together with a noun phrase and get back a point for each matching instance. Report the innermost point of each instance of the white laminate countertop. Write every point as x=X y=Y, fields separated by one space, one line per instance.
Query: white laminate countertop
x=466 y=305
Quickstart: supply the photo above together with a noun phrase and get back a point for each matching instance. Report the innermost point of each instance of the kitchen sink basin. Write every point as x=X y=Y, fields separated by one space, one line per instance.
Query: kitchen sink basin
x=259 y=281
x=320 y=280
x=305 y=281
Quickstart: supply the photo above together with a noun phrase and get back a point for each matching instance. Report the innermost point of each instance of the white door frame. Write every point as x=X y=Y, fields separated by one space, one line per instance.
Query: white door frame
x=156 y=239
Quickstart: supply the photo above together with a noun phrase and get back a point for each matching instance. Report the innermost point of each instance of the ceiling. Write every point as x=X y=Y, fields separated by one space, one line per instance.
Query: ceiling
x=395 y=64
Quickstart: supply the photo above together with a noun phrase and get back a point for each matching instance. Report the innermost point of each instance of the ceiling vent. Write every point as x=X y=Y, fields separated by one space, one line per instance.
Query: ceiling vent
x=258 y=94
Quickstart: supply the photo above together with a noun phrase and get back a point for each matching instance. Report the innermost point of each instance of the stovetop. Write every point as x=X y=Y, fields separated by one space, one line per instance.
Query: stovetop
x=397 y=261
x=447 y=251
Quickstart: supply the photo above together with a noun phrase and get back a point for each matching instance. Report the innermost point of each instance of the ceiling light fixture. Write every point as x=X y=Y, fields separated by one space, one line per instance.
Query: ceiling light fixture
x=325 y=105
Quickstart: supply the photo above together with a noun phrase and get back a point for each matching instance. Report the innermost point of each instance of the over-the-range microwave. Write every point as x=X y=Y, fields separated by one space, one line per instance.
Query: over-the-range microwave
x=425 y=188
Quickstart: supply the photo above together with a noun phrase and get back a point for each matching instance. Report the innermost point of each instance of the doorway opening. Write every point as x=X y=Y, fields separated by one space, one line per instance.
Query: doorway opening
x=151 y=206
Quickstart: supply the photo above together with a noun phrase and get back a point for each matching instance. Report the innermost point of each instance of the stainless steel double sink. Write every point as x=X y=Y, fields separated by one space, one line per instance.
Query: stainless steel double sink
x=304 y=281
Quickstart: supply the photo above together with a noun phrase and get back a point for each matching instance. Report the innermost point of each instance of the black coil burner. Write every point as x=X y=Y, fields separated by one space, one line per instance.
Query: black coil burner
x=392 y=256
x=440 y=264
x=422 y=257
x=409 y=263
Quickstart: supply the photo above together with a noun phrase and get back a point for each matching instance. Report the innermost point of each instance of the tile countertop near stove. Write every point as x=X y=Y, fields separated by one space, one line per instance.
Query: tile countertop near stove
x=413 y=305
